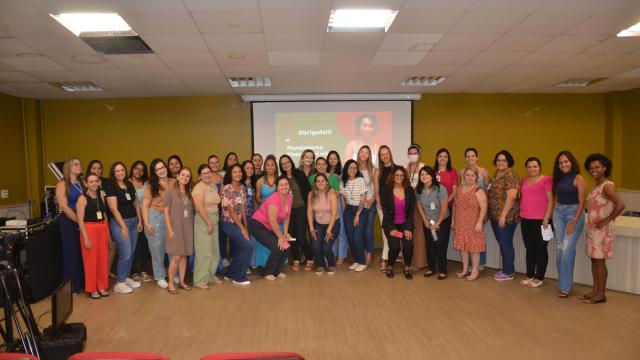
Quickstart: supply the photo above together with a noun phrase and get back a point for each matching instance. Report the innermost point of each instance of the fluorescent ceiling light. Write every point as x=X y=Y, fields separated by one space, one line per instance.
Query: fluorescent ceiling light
x=422 y=80
x=256 y=81
x=94 y=24
x=631 y=31
x=330 y=97
x=579 y=82
x=77 y=86
x=360 y=20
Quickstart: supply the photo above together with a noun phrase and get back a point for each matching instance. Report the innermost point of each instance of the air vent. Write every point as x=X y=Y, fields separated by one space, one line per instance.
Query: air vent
x=243 y=82
x=115 y=45
x=77 y=86
x=579 y=82
x=422 y=80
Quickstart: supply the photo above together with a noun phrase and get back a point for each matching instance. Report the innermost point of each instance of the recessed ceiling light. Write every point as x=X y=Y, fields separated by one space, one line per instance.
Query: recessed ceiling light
x=77 y=86
x=236 y=56
x=361 y=20
x=250 y=81
x=422 y=80
x=579 y=82
x=630 y=31
x=95 y=24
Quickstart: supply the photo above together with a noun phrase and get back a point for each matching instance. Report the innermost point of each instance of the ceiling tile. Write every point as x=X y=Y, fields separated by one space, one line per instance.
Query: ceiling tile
x=79 y=6
x=294 y=57
x=230 y=71
x=410 y=21
x=519 y=43
x=22 y=26
x=448 y=58
x=161 y=23
x=221 y=5
x=569 y=43
x=346 y=57
x=294 y=22
x=479 y=70
x=18 y=7
x=454 y=42
x=497 y=58
x=367 y=4
x=409 y=42
x=205 y=74
x=519 y=6
x=589 y=7
x=235 y=42
x=13 y=47
x=590 y=60
x=185 y=60
x=41 y=90
x=617 y=45
x=547 y=23
x=8 y=90
x=435 y=70
x=16 y=76
x=32 y=63
x=136 y=61
x=176 y=43
x=544 y=59
x=248 y=58
x=56 y=47
x=635 y=73
x=148 y=6
x=210 y=89
x=352 y=41
x=397 y=58
x=487 y=22
x=605 y=24
x=438 y=5
x=295 y=5
x=522 y=72
x=101 y=77
x=53 y=76
x=84 y=62
x=301 y=41
x=228 y=22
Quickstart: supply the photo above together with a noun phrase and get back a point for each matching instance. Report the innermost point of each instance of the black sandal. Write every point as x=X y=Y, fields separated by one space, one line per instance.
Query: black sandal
x=428 y=273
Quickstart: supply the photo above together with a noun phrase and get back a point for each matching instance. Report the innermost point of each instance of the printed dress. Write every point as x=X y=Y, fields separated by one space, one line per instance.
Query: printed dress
x=467 y=212
x=599 y=241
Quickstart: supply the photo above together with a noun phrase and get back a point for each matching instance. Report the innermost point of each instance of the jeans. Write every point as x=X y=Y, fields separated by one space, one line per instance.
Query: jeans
x=355 y=235
x=156 y=243
x=368 y=232
x=268 y=238
x=126 y=248
x=243 y=249
x=322 y=247
x=341 y=245
x=437 y=250
x=504 y=236
x=566 y=244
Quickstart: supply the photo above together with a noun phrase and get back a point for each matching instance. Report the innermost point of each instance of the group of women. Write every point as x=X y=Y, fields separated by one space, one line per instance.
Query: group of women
x=322 y=210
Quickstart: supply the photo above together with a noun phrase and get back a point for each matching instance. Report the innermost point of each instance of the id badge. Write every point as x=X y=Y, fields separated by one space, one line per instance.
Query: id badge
x=488 y=187
x=103 y=193
x=432 y=206
x=438 y=178
x=99 y=215
x=186 y=213
x=127 y=196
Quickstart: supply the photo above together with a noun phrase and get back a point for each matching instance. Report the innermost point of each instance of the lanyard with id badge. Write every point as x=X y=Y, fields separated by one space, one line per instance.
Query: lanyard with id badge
x=98 y=211
x=185 y=201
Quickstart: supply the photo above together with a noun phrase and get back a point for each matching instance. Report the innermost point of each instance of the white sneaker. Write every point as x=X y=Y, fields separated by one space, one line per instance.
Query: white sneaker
x=361 y=267
x=227 y=279
x=243 y=283
x=131 y=283
x=282 y=276
x=162 y=283
x=225 y=263
x=122 y=288
x=353 y=266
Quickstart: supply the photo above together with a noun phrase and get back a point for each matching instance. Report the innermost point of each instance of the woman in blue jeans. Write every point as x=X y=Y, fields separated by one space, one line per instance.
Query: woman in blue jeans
x=354 y=192
x=234 y=224
x=504 y=211
x=570 y=189
x=324 y=224
x=124 y=224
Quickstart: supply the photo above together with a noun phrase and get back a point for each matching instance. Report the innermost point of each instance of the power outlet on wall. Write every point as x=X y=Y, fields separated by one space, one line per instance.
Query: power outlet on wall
x=4 y=193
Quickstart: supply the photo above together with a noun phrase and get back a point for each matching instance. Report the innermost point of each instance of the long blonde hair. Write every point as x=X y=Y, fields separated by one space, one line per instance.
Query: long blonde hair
x=369 y=163
x=66 y=175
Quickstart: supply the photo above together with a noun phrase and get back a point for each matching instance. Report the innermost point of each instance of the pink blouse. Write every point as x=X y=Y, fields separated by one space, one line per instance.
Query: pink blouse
x=262 y=214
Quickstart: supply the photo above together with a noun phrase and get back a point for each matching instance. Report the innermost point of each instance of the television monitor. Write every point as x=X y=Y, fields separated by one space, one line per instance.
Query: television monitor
x=61 y=306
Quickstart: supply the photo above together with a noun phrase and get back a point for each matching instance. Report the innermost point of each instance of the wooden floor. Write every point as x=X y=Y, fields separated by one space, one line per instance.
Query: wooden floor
x=364 y=316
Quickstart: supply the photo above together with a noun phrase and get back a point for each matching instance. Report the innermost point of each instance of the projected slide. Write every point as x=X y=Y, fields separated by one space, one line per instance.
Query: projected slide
x=290 y=128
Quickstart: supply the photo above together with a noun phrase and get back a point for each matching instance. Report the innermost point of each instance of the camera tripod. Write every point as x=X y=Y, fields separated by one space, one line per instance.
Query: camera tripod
x=17 y=313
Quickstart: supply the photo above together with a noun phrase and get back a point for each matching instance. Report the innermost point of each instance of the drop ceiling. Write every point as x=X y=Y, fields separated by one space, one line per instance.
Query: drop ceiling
x=481 y=46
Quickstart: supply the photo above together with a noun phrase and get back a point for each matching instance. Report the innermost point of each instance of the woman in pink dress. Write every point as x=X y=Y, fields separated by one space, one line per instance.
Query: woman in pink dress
x=605 y=204
x=470 y=207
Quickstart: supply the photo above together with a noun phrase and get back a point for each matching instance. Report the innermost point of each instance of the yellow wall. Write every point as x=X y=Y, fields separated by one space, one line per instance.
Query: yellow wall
x=525 y=125
x=12 y=150
x=132 y=129
x=630 y=114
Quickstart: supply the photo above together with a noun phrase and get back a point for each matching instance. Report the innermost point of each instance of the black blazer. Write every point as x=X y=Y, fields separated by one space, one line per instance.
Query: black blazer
x=303 y=184
x=388 y=208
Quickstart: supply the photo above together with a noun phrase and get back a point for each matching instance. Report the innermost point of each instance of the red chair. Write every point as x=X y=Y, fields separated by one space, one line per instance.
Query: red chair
x=118 y=356
x=254 y=356
x=17 y=356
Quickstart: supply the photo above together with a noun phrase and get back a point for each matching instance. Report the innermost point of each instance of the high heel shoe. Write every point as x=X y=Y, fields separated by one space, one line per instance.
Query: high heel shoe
x=390 y=273
x=408 y=275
